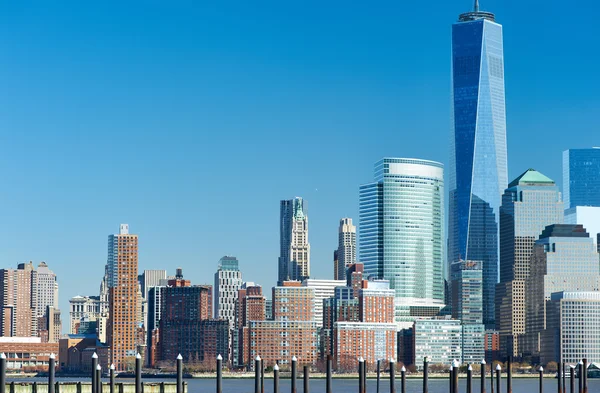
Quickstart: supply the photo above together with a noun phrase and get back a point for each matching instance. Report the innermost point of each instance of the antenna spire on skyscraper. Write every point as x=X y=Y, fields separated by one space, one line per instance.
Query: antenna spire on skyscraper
x=476 y=7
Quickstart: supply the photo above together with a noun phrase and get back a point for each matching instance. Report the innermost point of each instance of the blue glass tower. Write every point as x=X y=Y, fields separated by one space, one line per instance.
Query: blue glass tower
x=478 y=168
x=581 y=177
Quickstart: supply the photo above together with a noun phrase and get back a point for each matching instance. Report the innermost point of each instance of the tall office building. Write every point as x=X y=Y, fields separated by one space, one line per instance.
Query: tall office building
x=478 y=162
x=563 y=259
x=228 y=280
x=122 y=270
x=294 y=257
x=402 y=233
x=15 y=299
x=151 y=278
x=581 y=177
x=529 y=204
x=45 y=291
x=467 y=299
x=250 y=307
x=346 y=252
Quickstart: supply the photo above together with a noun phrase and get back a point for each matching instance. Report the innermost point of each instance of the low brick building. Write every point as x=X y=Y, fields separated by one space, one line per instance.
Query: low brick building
x=27 y=354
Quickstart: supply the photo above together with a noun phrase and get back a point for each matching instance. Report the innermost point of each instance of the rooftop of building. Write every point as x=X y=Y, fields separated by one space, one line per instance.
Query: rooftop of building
x=531 y=177
x=476 y=14
x=564 y=230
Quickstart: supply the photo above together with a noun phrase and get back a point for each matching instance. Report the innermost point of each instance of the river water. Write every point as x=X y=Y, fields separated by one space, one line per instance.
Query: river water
x=202 y=385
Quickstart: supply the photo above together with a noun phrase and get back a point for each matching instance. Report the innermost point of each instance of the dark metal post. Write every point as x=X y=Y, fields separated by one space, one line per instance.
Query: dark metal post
x=219 y=373
x=392 y=375
x=403 y=379
x=364 y=385
x=585 y=384
x=294 y=374
x=482 y=375
x=179 y=374
x=51 y=369
x=276 y=378
x=99 y=378
x=257 y=375
x=306 y=379
x=564 y=377
x=2 y=373
x=329 y=371
x=559 y=379
x=94 y=365
x=498 y=377
x=451 y=378
x=509 y=376
x=492 y=377
x=455 y=376
x=425 y=375
x=572 y=381
x=470 y=379
x=378 y=373
x=580 y=376
x=112 y=378
x=262 y=376
x=360 y=375
x=541 y=379
x=138 y=373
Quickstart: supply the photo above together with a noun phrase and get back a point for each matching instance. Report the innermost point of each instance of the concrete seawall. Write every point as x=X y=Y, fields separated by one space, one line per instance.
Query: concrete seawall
x=86 y=387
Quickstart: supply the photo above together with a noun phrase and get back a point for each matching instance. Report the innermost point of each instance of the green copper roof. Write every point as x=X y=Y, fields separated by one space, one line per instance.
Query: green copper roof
x=531 y=177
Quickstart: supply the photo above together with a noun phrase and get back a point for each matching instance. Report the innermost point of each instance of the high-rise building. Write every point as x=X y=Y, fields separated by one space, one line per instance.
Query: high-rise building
x=529 y=204
x=346 y=252
x=402 y=233
x=581 y=177
x=343 y=306
x=563 y=259
x=478 y=158
x=186 y=313
x=293 y=330
x=154 y=304
x=376 y=303
x=572 y=330
x=467 y=298
x=250 y=307
x=15 y=298
x=83 y=308
x=293 y=302
x=370 y=340
x=228 y=279
x=440 y=339
x=44 y=292
x=149 y=279
x=122 y=269
x=324 y=289
x=294 y=257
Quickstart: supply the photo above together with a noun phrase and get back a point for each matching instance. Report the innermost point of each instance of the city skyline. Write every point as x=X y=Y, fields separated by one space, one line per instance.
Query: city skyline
x=76 y=203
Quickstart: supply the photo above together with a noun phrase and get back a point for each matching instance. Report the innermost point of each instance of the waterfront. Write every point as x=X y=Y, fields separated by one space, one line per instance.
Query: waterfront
x=520 y=385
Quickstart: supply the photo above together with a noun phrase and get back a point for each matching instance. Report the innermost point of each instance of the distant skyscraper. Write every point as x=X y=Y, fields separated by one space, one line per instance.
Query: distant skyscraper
x=467 y=299
x=478 y=162
x=45 y=286
x=15 y=299
x=294 y=259
x=228 y=280
x=581 y=177
x=588 y=216
x=402 y=233
x=122 y=269
x=563 y=259
x=151 y=278
x=336 y=269
x=530 y=203
x=346 y=251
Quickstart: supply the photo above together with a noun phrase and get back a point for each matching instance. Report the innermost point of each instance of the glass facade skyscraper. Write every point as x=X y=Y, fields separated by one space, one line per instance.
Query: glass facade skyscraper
x=581 y=177
x=401 y=233
x=530 y=203
x=478 y=162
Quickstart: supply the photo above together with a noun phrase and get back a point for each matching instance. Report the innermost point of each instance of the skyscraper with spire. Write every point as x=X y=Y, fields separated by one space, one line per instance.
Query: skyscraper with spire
x=294 y=256
x=478 y=158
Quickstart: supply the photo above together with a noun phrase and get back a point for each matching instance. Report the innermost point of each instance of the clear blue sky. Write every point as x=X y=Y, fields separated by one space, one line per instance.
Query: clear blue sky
x=190 y=122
